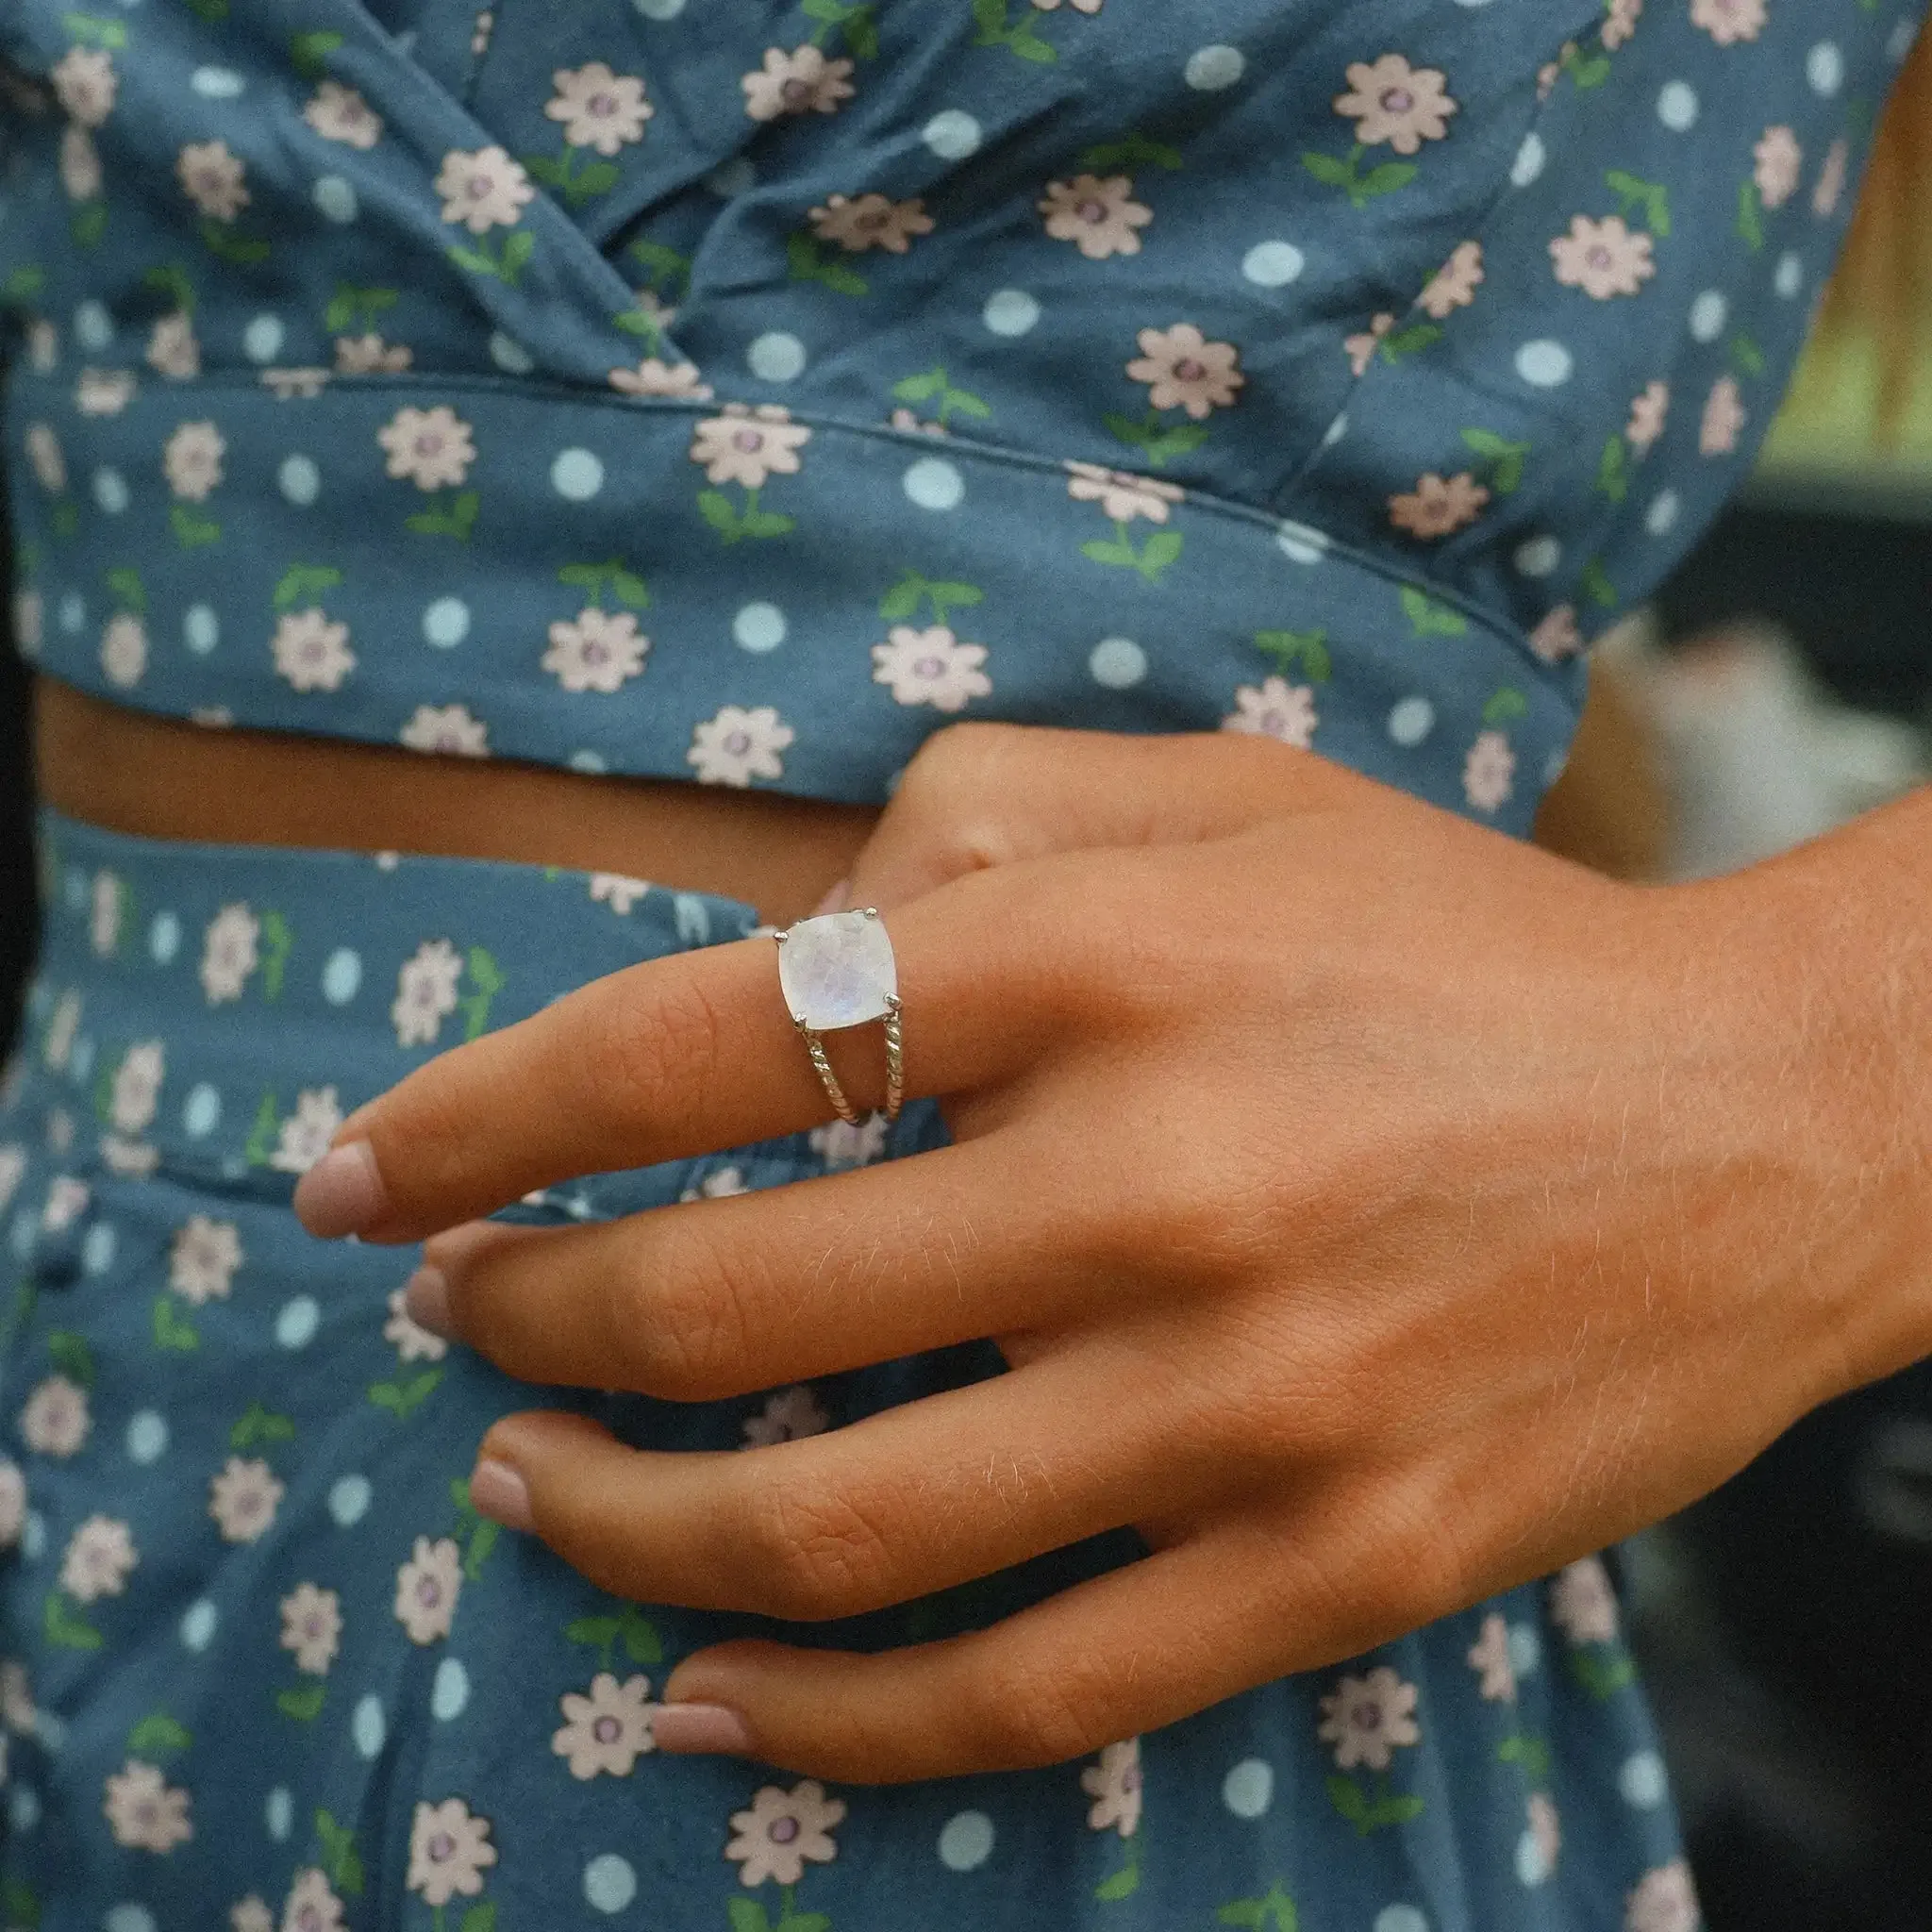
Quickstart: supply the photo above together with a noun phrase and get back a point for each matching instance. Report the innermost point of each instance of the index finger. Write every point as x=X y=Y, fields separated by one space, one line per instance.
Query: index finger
x=681 y=1056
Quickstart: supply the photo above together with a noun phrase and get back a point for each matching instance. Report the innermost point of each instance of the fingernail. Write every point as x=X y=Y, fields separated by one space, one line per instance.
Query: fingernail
x=497 y=1491
x=425 y=1300
x=342 y=1193
x=693 y=1728
x=834 y=901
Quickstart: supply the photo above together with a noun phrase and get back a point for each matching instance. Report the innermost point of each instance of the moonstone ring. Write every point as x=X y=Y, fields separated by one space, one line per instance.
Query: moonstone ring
x=838 y=971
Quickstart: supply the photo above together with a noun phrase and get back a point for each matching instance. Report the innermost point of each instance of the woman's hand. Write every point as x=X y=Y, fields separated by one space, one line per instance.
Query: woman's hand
x=1375 y=1212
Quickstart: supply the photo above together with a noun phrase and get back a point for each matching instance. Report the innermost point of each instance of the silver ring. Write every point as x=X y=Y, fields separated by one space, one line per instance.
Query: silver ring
x=838 y=971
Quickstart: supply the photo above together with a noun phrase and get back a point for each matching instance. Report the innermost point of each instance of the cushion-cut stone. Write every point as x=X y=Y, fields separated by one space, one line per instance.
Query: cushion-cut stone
x=837 y=971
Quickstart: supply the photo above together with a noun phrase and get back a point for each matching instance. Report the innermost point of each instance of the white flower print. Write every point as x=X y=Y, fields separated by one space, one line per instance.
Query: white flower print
x=653 y=377
x=782 y=1830
x=44 y=454
x=596 y=650
x=172 y=348
x=13 y=1501
x=858 y=223
x=244 y=1499
x=1728 y=21
x=144 y=1811
x=369 y=355
x=29 y=614
x=1665 y=1901
x=748 y=447
x=1183 y=370
x=1831 y=179
x=1121 y=494
x=426 y=1589
x=203 y=1259
x=449 y=1848
x=192 y=460
x=67 y=1200
x=1777 y=160
x=483 y=189
x=606 y=1729
x=85 y=85
x=13 y=1166
x=447 y=728
x=100 y=1554
x=17 y=1699
x=55 y=1420
x=787 y=1417
x=228 y=953
x=104 y=391
x=738 y=745
x=1489 y=1657
x=1100 y=217
x=311 y=650
x=42 y=346
x=104 y=926
x=305 y=1135
x=80 y=164
x=1488 y=772
x=294 y=384
x=313 y=1627
x=598 y=108
x=339 y=114
x=411 y=1340
x=134 y=1157
x=425 y=992
x=839 y=1144
x=1114 y=1784
x=137 y=1085
x=311 y=1904
x=430 y=448
x=212 y=180
x=251 y=1914
x=616 y=891
x=1582 y=1604
x=123 y=650
x=1545 y=1830
x=719 y=1184
x=801 y=82
x=1082 y=6
x=1366 y=1719
x=930 y=667
x=1274 y=709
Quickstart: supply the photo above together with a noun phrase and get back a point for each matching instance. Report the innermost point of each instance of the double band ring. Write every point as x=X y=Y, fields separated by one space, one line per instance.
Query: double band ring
x=837 y=971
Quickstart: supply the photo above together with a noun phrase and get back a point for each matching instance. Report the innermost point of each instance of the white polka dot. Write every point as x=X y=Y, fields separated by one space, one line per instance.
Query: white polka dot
x=197 y=1627
x=23 y=1807
x=588 y=762
x=366 y=1729
x=348 y=1500
x=1544 y=364
x=147 y=1436
x=335 y=200
x=951 y=135
x=1529 y=160
x=201 y=629
x=93 y=328
x=1556 y=765
x=1525 y=1649
x=966 y=1841
x=215 y=83
x=1903 y=38
x=278 y=1814
x=759 y=627
x=732 y=178
x=1118 y=663
x=658 y=9
x=1678 y=106
x=1789 y=276
x=1273 y=264
x=1248 y=1790
x=1532 y=1867
x=73 y=611
x=450 y=1692
x=1300 y=543
x=299 y=480
x=97 y=1250
x=775 y=357
x=33 y=1537
x=609 y=1884
x=576 y=476
x=1210 y=69
x=342 y=975
x=1707 y=316
x=262 y=340
x=1661 y=517
x=110 y=491
x=509 y=355
x=446 y=622
x=1400 y=1919
x=1410 y=720
x=1009 y=312
x=163 y=938
x=296 y=1323
x=128 y=1918
x=1335 y=432
x=1824 y=68
x=1538 y=556
x=1642 y=1780
x=933 y=483
x=201 y=1113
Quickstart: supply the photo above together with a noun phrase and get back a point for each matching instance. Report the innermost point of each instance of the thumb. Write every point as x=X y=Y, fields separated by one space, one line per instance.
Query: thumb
x=983 y=795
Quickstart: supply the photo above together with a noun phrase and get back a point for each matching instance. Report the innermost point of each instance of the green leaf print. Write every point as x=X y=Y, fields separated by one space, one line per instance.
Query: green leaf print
x=305 y=583
x=402 y=1399
x=66 y=516
x=577 y=185
x=734 y=525
x=303 y=1703
x=1369 y=1813
x=94 y=32
x=71 y=1356
x=1431 y=619
x=89 y=223
x=1506 y=705
x=1601 y=1677
x=804 y=1921
x=157 y=1732
x=1275 y=1910
x=479 y=1917
x=64 y=1628
x=627 y=586
x=1651 y=199
x=489 y=981
x=1589 y=70
x=213 y=11
x=1596 y=584
x=504 y=267
x=23 y=283
x=25 y=1298
x=170 y=280
x=1750 y=215
x=1123 y=1884
x=309 y=53
x=990 y=17
x=263 y=1135
x=1532 y=1754
x=339 y=1859
x=1132 y=150
x=747 y=1915
x=668 y=271
x=1402 y=343
x=351 y=307
x=1345 y=173
x=454 y=516
x=807 y=261
x=1502 y=465
x=1158 y=446
x=854 y=25
x=172 y=1329
x=1307 y=648
x=191 y=531
x=1747 y=354
x=23 y=1910
x=278 y=942
x=903 y=599
x=1612 y=475
x=482 y=1541
x=641 y=1641
x=261 y=1425
x=1161 y=549
x=244 y=251
x=934 y=384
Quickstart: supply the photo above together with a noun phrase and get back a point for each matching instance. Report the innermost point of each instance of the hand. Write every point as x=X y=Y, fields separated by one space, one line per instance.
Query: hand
x=1375 y=1212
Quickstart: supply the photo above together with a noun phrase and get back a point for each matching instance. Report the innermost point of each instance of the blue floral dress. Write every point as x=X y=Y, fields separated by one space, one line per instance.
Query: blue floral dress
x=738 y=392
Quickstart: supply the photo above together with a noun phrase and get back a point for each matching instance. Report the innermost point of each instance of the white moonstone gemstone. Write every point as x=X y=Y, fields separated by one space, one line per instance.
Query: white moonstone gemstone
x=837 y=971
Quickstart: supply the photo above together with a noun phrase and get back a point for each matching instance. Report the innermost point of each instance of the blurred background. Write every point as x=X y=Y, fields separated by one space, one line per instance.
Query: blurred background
x=1780 y=683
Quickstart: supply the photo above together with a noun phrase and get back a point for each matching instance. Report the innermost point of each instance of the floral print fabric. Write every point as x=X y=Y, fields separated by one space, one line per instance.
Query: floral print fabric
x=264 y=1668
x=738 y=392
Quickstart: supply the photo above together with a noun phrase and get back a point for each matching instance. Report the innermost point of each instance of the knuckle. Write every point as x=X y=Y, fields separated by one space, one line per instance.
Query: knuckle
x=659 y=1062
x=813 y=1555
x=680 y=1315
x=1027 y=1715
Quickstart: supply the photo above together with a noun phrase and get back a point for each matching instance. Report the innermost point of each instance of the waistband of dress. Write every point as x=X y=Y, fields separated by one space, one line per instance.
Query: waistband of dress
x=342 y=972
x=412 y=557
